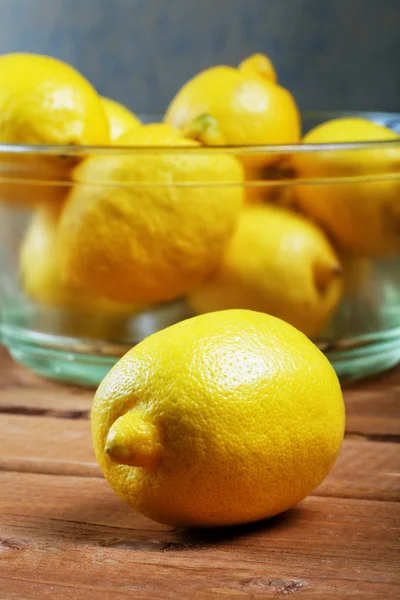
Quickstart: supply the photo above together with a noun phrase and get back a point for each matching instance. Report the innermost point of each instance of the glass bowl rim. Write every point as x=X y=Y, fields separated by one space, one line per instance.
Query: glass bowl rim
x=69 y=151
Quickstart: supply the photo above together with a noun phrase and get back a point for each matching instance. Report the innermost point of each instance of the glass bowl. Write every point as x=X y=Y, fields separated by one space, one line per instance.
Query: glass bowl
x=78 y=342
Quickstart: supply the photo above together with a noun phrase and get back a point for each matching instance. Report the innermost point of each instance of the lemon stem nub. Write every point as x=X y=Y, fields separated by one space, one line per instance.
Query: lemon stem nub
x=325 y=274
x=204 y=129
x=133 y=440
x=259 y=65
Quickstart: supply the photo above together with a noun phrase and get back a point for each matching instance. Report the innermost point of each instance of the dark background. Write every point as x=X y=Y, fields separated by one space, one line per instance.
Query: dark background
x=332 y=54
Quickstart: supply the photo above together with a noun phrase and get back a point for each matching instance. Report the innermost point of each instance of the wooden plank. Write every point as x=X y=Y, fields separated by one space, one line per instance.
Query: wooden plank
x=373 y=406
x=23 y=392
x=47 y=445
x=155 y=581
x=364 y=469
x=61 y=402
x=252 y=588
x=79 y=537
x=373 y=413
x=69 y=498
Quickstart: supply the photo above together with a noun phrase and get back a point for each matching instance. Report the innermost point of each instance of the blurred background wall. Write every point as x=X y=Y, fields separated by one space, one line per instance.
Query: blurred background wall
x=332 y=54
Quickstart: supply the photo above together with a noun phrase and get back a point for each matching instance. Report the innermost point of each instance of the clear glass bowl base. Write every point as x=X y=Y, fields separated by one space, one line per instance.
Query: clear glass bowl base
x=372 y=357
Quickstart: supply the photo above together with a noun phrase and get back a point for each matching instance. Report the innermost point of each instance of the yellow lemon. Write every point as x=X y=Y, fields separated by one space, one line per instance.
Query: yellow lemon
x=279 y=263
x=154 y=135
x=44 y=101
x=239 y=106
x=361 y=213
x=246 y=103
x=120 y=119
x=148 y=226
x=222 y=419
x=40 y=271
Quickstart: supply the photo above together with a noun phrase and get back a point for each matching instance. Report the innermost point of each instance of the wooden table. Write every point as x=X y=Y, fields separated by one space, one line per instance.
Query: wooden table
x=65 y=534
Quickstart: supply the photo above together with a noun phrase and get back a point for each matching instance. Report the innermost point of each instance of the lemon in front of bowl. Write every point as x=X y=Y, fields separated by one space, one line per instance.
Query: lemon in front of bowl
x=221 y=419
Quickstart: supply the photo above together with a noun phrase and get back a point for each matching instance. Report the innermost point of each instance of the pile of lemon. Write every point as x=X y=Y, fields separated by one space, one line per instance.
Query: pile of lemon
x=116 y=232
x=233 y=415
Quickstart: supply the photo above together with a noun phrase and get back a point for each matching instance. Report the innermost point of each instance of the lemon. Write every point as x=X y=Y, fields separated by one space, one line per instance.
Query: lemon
x=239 y=106
x=44 y=101
x=363 y=214
x=120 y=119
x=279 y=263
x=222 y=419
x=40 y=274
x=40 y=271
x=148 y=226
x=246 y=102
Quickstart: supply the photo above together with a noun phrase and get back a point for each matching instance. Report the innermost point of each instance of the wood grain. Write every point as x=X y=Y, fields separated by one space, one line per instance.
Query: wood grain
x=373 y=406
x=47 y=445
x=68 y=541
x=373 y=413
x=241 y=585
x=365 y=469
x=61 y=403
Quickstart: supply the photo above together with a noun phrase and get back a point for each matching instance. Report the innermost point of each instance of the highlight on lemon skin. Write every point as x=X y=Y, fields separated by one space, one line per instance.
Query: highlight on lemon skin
x=133 y=440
